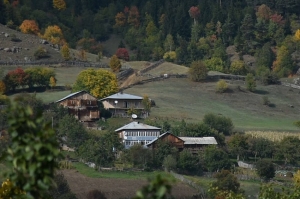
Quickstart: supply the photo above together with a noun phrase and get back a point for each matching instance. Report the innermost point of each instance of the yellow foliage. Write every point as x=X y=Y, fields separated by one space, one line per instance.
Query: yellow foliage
x=297 y=178
x=271 y=135
x=2 y=87
x=170 y=56
x=297 y=35
x=82 y=55
x=52 y=81
x=100 y=83
x=65 y=51
x=115 y=64
x=6 y=2
x=7 y=190
x=120 y=19
x=222 y=86
x=59 y=4
x=29 y=26
x=237 y=67
x=54 y=34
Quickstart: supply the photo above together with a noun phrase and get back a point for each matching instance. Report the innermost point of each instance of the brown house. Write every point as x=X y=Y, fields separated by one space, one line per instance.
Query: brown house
x=167 y=137
x=82 y=105
x=118 y=104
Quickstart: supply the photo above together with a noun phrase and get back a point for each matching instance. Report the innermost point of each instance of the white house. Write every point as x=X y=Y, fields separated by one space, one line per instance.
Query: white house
x=137 y=133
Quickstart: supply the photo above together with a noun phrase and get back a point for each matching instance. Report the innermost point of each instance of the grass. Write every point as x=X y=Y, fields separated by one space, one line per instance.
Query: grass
x=168 y=68
x=90 y=172
x=178 y=99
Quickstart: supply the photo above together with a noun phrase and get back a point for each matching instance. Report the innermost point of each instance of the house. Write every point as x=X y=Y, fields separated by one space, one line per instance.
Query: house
x=137 y=133
x=195 y=144
x=82 y=105
x=167 y=137
x=119 y=103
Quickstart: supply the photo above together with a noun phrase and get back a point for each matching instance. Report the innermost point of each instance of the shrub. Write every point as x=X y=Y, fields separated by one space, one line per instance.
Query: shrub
x=266 y=100
x=198 y=71
x=222 y=86
x=238 y=67
x=250 y=82
x=41 y=53
x=265 y=169
x=122 y=53
x=170 y=56
x=95 y=194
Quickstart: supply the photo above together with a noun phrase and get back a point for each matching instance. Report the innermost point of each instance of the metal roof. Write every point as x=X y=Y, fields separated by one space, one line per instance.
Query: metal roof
x=71 y=95
x=198 y=140
x=137 y=126
x=123 y=96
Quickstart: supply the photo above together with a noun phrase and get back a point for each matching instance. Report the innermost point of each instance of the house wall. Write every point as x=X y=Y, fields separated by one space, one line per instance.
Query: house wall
x=125 y=104
x=142 y=136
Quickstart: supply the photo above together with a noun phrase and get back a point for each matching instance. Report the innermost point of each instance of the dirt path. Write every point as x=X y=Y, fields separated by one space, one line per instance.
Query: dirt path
x=116 y=188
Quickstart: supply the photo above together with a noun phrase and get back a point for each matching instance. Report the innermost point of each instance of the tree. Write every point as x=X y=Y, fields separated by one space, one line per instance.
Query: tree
x=61 y=188
x=100 y=83
x=283 y=65
x=169 y=163
x=215 y=64
x=250 y=82
x=263 y=12
x=95 y=194
x=32 y=171
x=115 y=63
x=194 y=13
x=120 y=19
x=216 y=159
x=90 y=45
x=146 y=103
x=289 y=149
x=26 y=99
x=220 y=123
x=59 y=4
x=54 y=34
x=39 y=76
x=187 y=162
x=261 y=147
x=238 y=67
x=16 y=78
x=134 y=17
x=226 y=181
x=29 y=27
x=2 y=87
x=169 y=43
x=297 y=35
x=162 y=151
x=238 y=145
x=52 y=82
x=197 y=71
x=71 y=131
x=65 y=51
x=265 y=169
x=122 y=53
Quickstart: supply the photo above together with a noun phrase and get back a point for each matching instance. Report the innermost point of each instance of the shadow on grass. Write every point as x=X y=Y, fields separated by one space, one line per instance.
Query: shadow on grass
x=261 y=92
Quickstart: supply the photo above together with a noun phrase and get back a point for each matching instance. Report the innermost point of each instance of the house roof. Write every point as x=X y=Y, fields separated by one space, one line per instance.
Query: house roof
x=72 y=95
x=137 y=126
x=123 y=96
x=162 y=135
x=198 y=140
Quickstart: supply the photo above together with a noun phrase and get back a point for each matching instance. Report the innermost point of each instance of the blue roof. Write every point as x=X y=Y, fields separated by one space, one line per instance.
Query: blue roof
x=137 y=126
x=123 y=96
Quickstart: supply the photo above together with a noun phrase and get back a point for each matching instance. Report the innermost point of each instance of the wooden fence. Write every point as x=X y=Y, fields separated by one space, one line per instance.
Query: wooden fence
x=49 y=63
x=152 y=66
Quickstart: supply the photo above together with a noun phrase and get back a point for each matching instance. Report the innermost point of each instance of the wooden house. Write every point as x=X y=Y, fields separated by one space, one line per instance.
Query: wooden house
x=167 y=137
x=137 y=133
x=82 y=105
x=195 y=144
x=119 y=103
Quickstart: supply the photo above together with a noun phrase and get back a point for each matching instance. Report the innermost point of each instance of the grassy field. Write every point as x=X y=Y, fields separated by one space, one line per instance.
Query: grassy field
x=178 y=99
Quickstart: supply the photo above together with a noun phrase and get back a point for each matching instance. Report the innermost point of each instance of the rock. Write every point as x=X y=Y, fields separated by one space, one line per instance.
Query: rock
x=43 y=41
x=7 y=49
x=6 y=35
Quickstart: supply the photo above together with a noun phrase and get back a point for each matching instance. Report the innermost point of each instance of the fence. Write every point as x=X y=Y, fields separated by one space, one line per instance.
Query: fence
x=63 y=63
x=152 y=66
x=202 y=192
x=290 y=85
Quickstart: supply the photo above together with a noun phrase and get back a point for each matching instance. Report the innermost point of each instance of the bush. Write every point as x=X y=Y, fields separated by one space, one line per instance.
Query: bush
x=95 y=194
x=250 y=82
x=198 y=71
x=265 y=169
x=41 y=53
x=170 y=56
x=219 y=123
x=266 y=100
x=222 y=86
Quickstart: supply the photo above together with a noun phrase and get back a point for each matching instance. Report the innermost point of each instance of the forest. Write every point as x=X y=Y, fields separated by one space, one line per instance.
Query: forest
x=178 y=31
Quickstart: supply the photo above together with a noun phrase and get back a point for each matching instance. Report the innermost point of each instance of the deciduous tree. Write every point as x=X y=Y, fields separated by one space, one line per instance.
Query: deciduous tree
x=52 y=82
x=194 y=13
x=134 y=16
x=54 y=34
x=122 y=53
x=198 y=71
x=250 y=82
x=29 y=26
x=65 y=51
x=216 y=159
x=227 y=181
x=59 y=4
x=238 y=67
x=2 y=87
x=115 y=63
x=265 y=169
x=263 y=12
x=100 y=83
x=16 y=78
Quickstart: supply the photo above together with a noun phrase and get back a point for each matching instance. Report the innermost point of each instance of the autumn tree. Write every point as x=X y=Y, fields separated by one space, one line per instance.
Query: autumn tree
x=54 y=34
x=2 y=87
x=250 y=82
x=29 y=27
x=90 y=45
x=16 y=78
x=146 y=103
x=238 y=67
x=59 y=4
x=120 y=19
x=39 y=76
x=297 y=35
x=283 y=65
x=194 y=13
x=115 y=63
x=65 y=51
x=263 y=12
x=100 y=83
x=134 y=17
x=122 y=53
x=197 y=71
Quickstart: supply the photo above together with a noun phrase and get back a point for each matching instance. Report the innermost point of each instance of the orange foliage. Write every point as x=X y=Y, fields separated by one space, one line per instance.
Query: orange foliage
x=133 y=18
x=29 y=27
x=2 y=87
x=120 y=19
x=65 y=51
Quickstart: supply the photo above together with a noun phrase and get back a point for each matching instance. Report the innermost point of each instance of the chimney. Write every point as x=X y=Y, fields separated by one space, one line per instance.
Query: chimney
x=121 y=91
